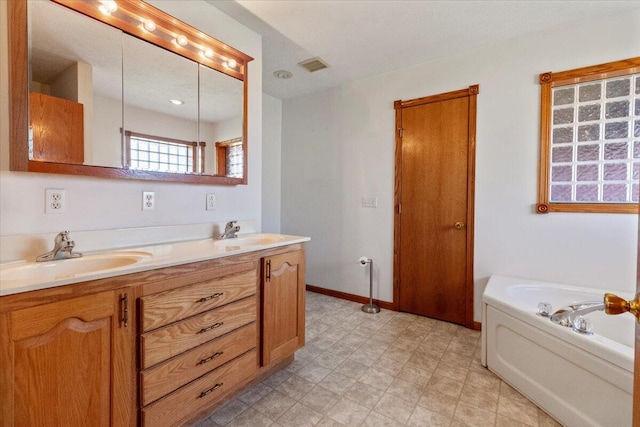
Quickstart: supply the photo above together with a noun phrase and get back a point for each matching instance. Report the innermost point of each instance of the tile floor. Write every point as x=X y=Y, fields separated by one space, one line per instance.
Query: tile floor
x=388 y=369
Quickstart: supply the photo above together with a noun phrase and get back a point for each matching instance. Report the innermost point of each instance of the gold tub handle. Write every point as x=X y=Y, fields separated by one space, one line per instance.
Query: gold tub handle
x=613 y=304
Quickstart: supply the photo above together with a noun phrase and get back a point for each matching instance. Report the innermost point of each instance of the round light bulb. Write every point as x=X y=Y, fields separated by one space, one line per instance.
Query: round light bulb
x=231 y=63
x=148 y=25
x=182 y=40
x=108 y=7
x=208 y=52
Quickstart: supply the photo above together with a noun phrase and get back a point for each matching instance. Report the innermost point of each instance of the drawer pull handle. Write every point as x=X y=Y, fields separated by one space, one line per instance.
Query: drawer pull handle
x=124 y=300
x=214 y=388
x=216 y=295
x=209 y=328
x=210 y=358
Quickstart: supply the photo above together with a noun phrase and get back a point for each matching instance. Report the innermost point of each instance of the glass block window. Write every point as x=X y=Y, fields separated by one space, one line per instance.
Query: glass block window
x=235 y=160
x=230 y=158
x=159 y=154
x=590 y=150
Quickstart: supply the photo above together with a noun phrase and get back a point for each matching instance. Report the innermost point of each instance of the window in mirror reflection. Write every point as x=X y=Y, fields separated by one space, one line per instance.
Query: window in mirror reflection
x=230 y=158
x=158 y=154
x=161 y=109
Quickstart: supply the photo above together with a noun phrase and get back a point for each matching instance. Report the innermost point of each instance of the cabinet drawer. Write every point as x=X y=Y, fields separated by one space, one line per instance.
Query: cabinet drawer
x=169 y=341
x=182 y=404
x=167 y=307
x=174 y=373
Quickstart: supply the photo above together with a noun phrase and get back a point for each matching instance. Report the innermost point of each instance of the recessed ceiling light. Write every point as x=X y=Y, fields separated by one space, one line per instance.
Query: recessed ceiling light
x=176 y=101
x=282 y=74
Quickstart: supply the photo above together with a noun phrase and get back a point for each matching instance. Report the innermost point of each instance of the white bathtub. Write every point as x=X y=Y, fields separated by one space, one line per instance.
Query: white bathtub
x=581 y=380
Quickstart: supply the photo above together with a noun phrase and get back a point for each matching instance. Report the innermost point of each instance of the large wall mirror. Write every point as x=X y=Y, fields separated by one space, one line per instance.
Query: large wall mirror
x=120 y=89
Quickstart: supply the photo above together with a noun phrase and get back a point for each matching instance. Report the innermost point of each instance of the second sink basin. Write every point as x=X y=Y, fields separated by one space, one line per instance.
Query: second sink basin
x=62 y=269
x=249 y=240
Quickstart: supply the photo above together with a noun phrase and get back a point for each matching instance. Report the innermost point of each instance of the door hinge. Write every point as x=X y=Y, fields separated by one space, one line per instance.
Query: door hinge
x=399 y=208
x=400 y=132
x=268 y=272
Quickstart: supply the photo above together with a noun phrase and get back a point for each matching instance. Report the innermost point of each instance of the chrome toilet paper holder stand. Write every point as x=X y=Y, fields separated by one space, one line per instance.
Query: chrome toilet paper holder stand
x=371 y=307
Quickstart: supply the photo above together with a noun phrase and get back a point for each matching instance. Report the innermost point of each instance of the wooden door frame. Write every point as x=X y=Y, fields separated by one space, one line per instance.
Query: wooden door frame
x=636 y=369
x=472 y=93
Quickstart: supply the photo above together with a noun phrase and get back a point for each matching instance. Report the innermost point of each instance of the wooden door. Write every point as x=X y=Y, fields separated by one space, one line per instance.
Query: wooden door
x=72 y=364
x=434 y=196
x=283 y=287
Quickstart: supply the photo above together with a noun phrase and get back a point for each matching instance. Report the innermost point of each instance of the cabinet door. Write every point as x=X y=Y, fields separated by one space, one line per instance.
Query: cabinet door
x=58 y=129
x=283 y=287
x=72 y=363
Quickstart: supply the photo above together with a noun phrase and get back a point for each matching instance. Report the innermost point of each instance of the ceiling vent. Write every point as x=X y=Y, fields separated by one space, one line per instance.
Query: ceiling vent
x=313 y=64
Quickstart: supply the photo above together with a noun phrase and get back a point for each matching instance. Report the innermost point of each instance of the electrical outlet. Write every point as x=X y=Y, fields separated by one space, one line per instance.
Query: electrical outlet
x=211 y=201
x=54 y=201
x=369 y=202
x=148 y=200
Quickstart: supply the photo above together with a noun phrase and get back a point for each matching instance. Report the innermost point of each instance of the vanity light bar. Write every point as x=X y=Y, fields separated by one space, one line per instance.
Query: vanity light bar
x=155 y=26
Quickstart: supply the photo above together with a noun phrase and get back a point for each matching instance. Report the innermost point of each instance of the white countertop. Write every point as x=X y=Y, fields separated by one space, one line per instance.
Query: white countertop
x=27 y=275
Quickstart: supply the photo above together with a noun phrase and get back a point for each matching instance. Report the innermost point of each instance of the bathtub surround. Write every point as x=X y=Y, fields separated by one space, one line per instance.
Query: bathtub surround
x=582 y=380
x=338 y=145
x=99 y=204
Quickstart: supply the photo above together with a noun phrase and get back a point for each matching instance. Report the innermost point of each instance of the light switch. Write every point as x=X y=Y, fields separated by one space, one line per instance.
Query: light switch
x=369 y=202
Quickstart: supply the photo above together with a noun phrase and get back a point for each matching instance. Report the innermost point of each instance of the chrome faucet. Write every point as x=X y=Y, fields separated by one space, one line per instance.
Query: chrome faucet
x=230 y=230
x=567 y=316
x=62 y=249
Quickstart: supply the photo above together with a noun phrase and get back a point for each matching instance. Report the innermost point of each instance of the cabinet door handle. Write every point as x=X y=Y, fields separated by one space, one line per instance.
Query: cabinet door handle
x=214 y=388
x=268 y=273
x=216 y=295
x=209 y=328
x=210 y=358
x=124 y=301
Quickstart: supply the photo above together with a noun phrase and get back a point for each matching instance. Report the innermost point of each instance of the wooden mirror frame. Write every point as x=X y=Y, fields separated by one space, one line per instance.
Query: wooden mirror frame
x=19 y=88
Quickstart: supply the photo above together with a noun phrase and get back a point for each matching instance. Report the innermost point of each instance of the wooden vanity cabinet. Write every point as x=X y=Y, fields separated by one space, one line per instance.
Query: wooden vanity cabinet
x=198 y=343
x=156 y=348
x=68 y=362
x=283 y=306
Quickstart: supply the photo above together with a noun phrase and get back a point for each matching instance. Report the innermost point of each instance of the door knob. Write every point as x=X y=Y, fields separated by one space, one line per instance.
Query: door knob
x=458 y=225
x=613 y=304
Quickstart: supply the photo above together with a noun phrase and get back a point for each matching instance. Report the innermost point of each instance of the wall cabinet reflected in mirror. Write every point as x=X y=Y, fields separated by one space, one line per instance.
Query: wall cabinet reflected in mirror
x=140 y=96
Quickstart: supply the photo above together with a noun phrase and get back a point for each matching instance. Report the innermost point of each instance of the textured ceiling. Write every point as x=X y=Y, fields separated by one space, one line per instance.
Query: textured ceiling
x=360 y=38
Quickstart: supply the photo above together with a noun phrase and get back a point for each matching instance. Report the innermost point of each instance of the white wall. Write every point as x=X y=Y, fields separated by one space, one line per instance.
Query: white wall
x=93 y=203
x=339 y=146
x=271 y=163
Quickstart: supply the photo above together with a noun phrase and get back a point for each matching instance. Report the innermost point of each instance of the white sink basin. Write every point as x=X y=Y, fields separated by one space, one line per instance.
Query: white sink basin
x=249 y=240
x=63 y=269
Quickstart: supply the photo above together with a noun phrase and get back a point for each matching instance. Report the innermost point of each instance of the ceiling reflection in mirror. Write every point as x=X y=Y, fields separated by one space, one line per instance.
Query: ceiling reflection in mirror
x=75 y=87
x=100 y=97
